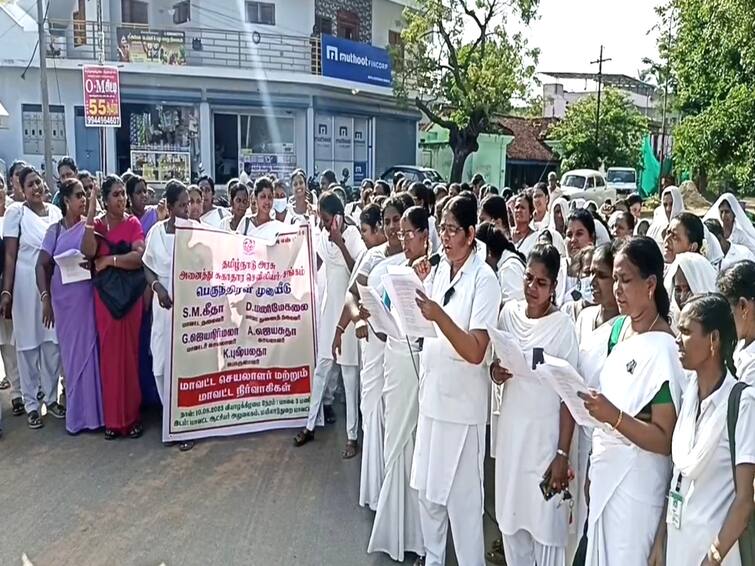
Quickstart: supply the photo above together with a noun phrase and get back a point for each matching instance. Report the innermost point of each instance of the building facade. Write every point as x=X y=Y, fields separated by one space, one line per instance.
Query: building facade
x=209 y=86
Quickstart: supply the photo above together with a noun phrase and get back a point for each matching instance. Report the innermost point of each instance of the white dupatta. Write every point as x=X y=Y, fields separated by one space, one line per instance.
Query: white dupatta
x=743 y=232
x=692 y=446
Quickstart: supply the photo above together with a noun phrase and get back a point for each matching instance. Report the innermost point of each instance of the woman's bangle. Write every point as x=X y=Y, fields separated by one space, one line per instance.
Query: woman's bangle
x=6 y=292
x=155 y=282
x=43 y=295
x=115 y=261
x=563 y=453
x=618 y=421
x=714 y=554
x=89 y=226
x=341 y=328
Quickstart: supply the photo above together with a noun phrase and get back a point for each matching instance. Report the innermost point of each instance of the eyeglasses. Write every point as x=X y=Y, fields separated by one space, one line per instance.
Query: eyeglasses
x=406 y=235
x=449 y=229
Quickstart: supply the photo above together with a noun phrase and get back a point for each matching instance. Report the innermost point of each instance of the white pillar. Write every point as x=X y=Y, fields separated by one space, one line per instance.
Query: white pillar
x=206 y=149
x=112 y=162
x=310 y=139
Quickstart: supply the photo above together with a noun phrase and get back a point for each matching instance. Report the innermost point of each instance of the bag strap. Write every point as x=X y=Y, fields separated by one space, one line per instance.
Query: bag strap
x=246 y=226
x=732 y=414
x=616 y=329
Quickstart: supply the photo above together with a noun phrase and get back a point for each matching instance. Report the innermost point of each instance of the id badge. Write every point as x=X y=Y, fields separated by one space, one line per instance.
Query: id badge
x=674 y=510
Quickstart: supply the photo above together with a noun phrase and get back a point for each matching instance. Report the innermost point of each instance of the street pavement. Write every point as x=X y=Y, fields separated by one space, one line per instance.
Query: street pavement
x=250 y=500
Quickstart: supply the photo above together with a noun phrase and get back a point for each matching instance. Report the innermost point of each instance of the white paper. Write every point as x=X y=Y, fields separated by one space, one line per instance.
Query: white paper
x=69 y=263
x=564 y=379
x=511 y=357
x=381 y=320
x=402 y=284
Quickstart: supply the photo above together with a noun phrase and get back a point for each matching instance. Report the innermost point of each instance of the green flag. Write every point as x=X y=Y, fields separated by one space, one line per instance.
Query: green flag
x=651 y=170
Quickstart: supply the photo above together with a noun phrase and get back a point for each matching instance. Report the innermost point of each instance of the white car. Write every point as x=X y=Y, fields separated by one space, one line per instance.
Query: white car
x=623 y=179
x=587 y=184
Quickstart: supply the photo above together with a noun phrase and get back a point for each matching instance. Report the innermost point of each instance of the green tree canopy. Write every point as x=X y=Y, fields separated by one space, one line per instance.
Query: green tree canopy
x=461 y=67
x=712 y=57
x=622 y=128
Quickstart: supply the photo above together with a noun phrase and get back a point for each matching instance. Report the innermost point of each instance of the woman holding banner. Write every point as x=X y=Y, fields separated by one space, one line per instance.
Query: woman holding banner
x=262 y=224
x=158 y=268
x=239 y=203
x=339 y=245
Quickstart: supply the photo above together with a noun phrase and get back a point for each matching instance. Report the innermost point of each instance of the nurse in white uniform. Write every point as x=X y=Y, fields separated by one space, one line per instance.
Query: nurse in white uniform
x=737 y=284
x=709 y=503
x=239 y=194
x=39 y=366
x=535 y=429
x=447 y=467
x=630 y=464
x=523 y=234
x=211 y=215
x=339 y=246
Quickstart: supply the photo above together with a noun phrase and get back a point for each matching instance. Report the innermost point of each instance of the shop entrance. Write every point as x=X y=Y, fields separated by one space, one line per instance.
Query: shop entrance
x=226 y=147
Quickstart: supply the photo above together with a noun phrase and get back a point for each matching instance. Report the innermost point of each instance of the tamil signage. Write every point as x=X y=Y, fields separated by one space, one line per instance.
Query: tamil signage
x=242 y=349
x=151 y=46
x=353 y=61
x=102 y=97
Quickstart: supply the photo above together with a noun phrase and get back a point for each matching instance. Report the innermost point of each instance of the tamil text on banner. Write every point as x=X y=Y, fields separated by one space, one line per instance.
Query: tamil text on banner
x=102 y=97
x=136 y=45
x=243 y=342
x=354 y=61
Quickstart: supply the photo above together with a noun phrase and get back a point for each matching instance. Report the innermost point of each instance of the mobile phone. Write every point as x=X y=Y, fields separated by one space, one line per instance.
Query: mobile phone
x=546 y=489
x=338 y=221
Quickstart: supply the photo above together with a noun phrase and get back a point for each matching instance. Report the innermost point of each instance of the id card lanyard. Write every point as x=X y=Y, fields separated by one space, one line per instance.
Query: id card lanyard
x=675 y=504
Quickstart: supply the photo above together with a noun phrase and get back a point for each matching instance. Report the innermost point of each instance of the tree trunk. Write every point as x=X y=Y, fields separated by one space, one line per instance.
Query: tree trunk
x=463 y=143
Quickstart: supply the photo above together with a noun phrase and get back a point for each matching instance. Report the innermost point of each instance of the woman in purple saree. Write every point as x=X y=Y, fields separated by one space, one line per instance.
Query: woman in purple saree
x=70 y=307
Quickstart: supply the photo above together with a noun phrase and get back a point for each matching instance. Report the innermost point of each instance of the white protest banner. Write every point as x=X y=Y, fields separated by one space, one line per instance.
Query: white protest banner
x=243 y=336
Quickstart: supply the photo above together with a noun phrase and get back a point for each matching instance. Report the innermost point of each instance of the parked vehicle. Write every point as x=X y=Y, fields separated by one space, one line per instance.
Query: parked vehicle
x=412 y=173
x=587 y=184
x=623 y=179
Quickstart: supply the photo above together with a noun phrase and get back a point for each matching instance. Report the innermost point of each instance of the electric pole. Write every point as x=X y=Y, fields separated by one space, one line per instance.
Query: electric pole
x=599 y=62
x=101 y=61
x=665 y=100
x=46 y=122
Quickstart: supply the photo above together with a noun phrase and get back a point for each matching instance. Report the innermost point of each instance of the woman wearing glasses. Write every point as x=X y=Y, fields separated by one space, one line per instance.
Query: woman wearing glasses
x=447 y=468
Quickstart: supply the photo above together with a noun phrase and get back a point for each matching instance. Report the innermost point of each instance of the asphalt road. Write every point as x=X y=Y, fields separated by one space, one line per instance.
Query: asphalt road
x=250 y=500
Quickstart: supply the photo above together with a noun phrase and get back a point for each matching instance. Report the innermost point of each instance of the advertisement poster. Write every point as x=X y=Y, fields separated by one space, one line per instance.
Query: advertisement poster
x=281 y=164
x=102 y=97
x=243 y=335
x=151 y=46
x=161 y=166
x=354 y=61
x=343 y=136
x=323 y=137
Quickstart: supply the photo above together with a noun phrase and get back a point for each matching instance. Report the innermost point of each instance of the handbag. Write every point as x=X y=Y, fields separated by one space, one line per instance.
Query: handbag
x=747 y=538
x=120 y=289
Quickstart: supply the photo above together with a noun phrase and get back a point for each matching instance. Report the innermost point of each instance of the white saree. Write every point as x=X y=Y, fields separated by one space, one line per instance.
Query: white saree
x=627 y=484
x=528 y=432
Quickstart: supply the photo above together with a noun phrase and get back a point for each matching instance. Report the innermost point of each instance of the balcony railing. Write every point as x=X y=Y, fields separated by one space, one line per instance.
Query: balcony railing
x=185 y=46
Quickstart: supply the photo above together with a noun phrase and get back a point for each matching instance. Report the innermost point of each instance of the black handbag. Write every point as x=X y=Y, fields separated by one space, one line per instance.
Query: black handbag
x=120 y=289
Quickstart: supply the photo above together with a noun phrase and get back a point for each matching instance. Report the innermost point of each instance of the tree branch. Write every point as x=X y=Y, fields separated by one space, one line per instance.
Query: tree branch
x=452 y=56
x=435 y=118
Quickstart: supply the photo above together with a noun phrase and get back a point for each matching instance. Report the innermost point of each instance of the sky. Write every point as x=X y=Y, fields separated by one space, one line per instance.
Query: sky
x=569 y=34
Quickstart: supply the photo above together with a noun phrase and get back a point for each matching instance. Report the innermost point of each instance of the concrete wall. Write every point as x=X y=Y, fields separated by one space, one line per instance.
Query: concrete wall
x=292 y=17
x=387 y=15
x=363 y=8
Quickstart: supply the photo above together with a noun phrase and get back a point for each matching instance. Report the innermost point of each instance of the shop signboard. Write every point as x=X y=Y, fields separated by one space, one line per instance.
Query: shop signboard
x=161 y=166
x=242 y=346
x=137 y=45
x=360 y=172
x=280 y=164
x=323 y=137
x=354 y=61
x=360 y=139
x=343 y=139
x=102 y=97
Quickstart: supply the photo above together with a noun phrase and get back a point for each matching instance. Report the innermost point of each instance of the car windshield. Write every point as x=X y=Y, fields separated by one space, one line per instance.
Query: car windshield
x=621 y=176
x=576 y=181
x=433 y=175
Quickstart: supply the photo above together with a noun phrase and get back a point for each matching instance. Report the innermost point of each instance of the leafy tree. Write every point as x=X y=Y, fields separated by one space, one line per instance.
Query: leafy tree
x=713 y=61
x=622 y=128
x=461 y=67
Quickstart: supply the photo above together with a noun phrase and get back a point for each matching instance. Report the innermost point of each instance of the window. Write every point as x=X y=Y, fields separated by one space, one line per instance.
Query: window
x=599 y=182
x=134 y=12
x=182 y=12
x=347 y=25
x=260 y=13
x=33 y=129
x=590 y=183
x=323 y=25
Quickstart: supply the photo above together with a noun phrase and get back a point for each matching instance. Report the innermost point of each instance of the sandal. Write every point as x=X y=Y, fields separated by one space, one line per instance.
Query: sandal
x=303 y=437
x=185 y=446
x=136 y=431
x=351 y=449
x=419 y=561
x=497 y=546
x=34 y=421
x=4 y=384
x=17 y=405
x=56 y=410
x=110 y=434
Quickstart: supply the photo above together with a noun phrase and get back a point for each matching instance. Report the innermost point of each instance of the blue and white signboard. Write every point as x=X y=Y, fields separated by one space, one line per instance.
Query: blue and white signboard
x=353 y=61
